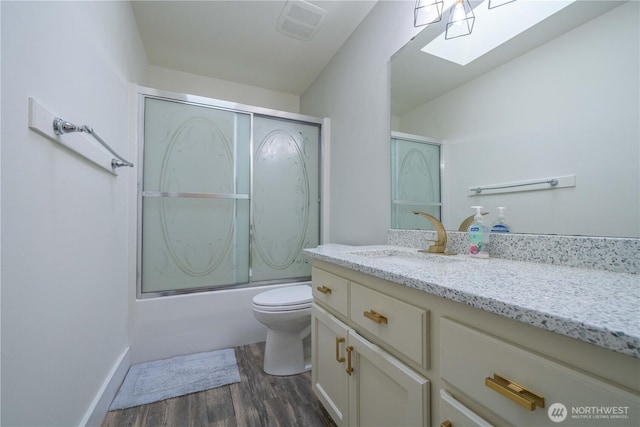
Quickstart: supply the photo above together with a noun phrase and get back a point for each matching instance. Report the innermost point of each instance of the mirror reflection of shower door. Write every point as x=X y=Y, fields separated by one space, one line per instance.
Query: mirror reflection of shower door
x=285 y=199
x=415 y=182
x=195 y=204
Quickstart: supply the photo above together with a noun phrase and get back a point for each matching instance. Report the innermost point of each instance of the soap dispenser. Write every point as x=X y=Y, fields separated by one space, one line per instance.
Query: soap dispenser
x=500 y=225
x=478 y=236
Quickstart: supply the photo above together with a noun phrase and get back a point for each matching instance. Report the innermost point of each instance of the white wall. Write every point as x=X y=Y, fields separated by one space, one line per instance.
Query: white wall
x=570 y=106
x=353 y=90
x=64 y=220
x=181 y=82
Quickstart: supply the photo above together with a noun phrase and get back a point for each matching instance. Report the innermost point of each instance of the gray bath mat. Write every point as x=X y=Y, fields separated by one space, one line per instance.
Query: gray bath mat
x=164 y=379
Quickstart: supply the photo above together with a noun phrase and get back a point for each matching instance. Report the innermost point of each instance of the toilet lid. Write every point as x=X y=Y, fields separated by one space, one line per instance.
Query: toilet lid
x=289 y=296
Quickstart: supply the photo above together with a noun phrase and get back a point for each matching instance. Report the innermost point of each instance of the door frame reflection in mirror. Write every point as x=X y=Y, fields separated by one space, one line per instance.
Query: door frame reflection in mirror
x=435 y=208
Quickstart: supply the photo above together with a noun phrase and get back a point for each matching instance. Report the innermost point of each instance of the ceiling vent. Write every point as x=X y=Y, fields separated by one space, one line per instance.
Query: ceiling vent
x=300 y=19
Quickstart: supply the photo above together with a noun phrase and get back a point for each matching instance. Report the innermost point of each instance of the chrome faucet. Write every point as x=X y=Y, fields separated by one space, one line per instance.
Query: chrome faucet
x=441 y=243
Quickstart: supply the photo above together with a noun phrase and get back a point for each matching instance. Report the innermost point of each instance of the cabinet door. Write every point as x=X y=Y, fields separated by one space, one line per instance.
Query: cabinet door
x=328 y=373
x=455 y=414
x=382 y=390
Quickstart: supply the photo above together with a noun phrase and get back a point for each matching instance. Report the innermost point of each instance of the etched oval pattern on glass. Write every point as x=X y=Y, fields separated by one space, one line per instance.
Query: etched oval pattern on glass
x=280 y=199
x=413 y=179
x=197 y=232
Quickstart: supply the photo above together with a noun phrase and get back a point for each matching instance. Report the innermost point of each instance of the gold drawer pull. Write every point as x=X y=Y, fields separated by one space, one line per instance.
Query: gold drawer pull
x=323 y=289
x=519 y=394
x=349 y=367
x=375 y=317
x=446 y=423
x=338 y=341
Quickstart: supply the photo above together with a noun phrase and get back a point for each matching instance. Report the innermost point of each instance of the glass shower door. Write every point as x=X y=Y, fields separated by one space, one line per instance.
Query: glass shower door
x=285 y=198
x=195 y=197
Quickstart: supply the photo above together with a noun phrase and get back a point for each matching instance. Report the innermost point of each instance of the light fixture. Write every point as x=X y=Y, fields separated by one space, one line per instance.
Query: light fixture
x=461 y=20
x=427 y=12
x=498 y=26
x=498 y=3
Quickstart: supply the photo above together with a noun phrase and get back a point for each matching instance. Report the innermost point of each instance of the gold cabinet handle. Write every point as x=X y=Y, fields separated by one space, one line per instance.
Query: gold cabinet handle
x=338 y=341
x=446 y=423
x=323 y=289
x=376 y=317
x=519 y=394
x=349 y=367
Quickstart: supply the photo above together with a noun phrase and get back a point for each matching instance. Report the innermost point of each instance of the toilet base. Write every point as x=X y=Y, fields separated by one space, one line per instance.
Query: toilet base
x=286 y=354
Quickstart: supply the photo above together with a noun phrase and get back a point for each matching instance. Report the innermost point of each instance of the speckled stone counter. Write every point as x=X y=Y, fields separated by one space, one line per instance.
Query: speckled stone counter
x=618 y=254
x=599 y=307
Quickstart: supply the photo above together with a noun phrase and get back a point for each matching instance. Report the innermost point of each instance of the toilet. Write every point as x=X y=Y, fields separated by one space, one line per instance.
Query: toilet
x=286 y=312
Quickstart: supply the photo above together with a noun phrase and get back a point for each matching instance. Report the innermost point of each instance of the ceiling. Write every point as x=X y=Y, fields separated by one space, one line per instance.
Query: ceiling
x=238 y=41
x=417 y=77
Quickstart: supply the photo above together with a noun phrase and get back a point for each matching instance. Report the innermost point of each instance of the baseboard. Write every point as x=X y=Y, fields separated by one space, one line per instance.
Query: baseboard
x=100 y=405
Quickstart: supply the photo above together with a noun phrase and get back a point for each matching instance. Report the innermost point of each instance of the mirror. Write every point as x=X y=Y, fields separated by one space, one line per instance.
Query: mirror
x=560 y=99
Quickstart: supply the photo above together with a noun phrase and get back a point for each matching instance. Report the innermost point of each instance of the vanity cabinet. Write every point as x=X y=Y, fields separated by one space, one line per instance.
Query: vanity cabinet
x=525 y=388
x=358 y=382
x=456 y=414
x=483 y=369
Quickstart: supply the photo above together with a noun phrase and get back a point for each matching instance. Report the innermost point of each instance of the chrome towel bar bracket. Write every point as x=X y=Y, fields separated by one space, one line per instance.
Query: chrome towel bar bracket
x=60 y=127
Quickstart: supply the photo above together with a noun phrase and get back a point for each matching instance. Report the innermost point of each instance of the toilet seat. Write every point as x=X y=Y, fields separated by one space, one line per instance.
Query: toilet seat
x=284 y=299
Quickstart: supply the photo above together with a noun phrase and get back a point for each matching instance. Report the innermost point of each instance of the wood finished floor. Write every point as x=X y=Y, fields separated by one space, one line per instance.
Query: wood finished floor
x=257 y=400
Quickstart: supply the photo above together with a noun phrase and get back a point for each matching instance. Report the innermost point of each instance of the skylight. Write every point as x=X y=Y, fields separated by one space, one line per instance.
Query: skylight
x=492 y=28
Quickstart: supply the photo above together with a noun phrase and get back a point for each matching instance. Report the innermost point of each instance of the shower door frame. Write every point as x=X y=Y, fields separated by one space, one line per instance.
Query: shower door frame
x=444 y=156
x=200 y=101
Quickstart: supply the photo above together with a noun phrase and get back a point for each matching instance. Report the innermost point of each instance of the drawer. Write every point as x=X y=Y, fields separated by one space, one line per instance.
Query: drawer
x=402 y=326
x=330 y=290
x=496 y=374
x=454 y=414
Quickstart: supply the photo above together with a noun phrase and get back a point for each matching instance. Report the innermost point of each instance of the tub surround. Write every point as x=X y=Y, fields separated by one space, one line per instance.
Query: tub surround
x=596 y=306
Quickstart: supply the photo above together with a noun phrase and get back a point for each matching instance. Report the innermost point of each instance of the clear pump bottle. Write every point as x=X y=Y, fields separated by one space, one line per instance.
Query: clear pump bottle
x=500 y=225
x=478 y=235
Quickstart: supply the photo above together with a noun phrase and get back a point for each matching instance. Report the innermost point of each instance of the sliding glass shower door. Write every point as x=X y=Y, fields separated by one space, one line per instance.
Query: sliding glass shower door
x=227 y=197
x=285 y=202
x=195 y=198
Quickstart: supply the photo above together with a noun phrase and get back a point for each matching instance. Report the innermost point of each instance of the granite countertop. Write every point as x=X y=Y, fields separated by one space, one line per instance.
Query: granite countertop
x=599 y=307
